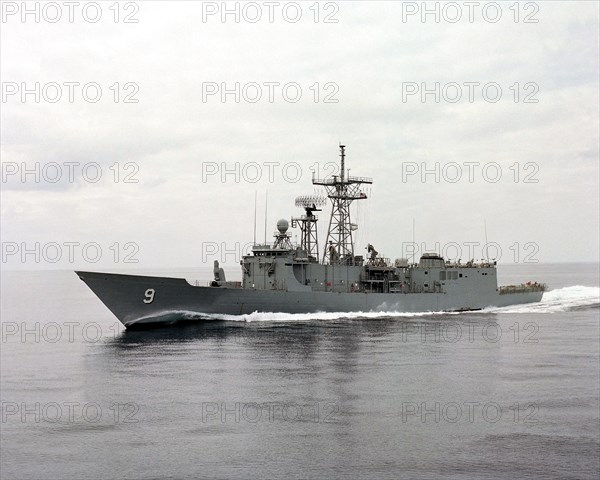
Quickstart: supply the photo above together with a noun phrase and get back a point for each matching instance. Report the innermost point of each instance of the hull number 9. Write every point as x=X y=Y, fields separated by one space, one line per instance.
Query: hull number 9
x=149 y=295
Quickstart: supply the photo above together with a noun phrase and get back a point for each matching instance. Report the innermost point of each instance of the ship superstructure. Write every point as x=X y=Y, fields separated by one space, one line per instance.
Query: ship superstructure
x=282 y=266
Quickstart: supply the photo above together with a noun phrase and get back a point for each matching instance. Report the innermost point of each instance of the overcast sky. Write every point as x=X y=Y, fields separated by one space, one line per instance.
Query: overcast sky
x=500 y=106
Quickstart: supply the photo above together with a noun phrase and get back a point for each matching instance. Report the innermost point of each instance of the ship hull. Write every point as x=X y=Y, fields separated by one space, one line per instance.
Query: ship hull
x=140 y=300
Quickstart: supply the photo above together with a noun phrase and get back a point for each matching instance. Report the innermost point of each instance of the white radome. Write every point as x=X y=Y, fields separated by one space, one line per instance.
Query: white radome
x=282 y=225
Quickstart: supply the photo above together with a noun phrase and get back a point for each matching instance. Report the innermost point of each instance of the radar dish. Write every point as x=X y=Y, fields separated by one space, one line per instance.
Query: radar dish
x=304 y=201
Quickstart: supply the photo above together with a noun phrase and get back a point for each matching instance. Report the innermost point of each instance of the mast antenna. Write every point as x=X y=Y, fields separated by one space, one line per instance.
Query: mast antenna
x=487 y=258
x=266 y=207
x=414 y=247
x=255 y=196
x=343 y=157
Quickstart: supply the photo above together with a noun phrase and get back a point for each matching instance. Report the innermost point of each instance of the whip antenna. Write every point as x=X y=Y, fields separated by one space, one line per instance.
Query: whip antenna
x=487 y=258
x=255 y=195
x=266 y=206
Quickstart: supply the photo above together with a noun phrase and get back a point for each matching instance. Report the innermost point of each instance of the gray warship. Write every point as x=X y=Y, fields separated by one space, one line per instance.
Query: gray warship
x=285 y=278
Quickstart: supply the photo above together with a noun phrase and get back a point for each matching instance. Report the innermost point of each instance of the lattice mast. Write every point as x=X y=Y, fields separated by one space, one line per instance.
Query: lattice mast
x=342 y=189
x=309 y=241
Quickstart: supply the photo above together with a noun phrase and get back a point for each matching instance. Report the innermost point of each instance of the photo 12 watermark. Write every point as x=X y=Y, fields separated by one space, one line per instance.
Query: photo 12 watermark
x=70 y=252
x=269 y=412
x=466 y=253
x=269 y=92
x=270 y=172
x=270 y=12
x=58 y=332
x=470 y=92
x=69 y=12
x=470 y=12
x=448 y=331
x=69 y=92
x=469 y=412
x=69 y=172
x=471 y=172
x=69 y=412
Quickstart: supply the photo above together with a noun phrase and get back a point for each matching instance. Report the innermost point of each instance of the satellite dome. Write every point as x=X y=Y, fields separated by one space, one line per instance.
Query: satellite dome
x=282 y=225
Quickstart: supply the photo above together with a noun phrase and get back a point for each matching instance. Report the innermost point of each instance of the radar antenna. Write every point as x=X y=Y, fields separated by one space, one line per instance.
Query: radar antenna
x=342 y=189
x=308 y=224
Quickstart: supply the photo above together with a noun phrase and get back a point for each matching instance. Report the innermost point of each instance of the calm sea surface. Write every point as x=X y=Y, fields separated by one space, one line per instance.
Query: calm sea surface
x=504 y=393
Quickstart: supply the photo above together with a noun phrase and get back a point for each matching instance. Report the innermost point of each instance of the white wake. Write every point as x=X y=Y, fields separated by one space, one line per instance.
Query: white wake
x=559 y=300
x=298 y=317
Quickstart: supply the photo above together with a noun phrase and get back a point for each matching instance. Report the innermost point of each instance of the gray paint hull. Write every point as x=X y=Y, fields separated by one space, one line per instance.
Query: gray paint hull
x=174 y=298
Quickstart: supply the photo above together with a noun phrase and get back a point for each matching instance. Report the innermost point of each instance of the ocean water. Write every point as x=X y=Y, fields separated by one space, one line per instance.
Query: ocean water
x=500 y=393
